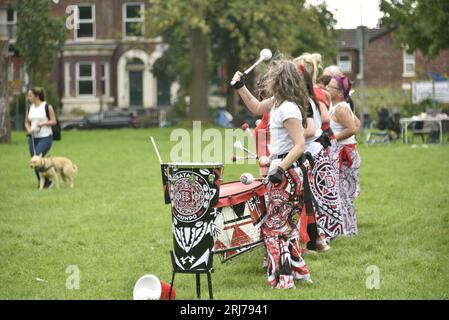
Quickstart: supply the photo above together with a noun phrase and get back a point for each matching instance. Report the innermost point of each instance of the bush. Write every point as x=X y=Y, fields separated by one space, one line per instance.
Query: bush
x=22 y=105
x=179 y=110
x=51 y=95
x=395 y=100
x=377 y=98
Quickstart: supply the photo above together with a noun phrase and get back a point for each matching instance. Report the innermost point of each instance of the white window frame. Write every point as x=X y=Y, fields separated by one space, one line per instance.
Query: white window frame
x=127 y=20
x=15 y=17
x=67 y=79
x=92 y=78
x=406 y=58
x=106 y=79
x=10 y=71
x=80 y=21
x=344 y=54
x=11 y=26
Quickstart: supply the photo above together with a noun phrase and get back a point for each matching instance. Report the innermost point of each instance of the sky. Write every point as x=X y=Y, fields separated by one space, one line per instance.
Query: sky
x=352 y=13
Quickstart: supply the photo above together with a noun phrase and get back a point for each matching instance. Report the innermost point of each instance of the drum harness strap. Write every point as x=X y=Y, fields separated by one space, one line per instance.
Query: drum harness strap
x=324 y=139
x=308 y=196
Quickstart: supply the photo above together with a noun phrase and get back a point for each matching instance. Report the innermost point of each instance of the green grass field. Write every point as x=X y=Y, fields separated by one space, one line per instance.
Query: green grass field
x=115 y=227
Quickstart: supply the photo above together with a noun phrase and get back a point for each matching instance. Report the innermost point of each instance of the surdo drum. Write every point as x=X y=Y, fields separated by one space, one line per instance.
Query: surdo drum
x=240 y=211
x=193 y=191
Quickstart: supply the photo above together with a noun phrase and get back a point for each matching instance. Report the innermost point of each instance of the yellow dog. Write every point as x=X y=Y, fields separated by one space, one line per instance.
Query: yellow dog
x=51 y=166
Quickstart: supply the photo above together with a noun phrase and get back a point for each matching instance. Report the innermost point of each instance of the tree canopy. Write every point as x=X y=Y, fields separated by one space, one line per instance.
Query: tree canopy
x=39 y=36
x=420 y=24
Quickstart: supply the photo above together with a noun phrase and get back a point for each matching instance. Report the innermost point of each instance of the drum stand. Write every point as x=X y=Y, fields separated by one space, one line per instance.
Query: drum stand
x=197 y=273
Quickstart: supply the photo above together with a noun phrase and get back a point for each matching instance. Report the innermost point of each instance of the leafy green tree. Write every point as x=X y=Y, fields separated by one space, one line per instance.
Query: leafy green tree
x=243 y=28
x=5 y=126
x=39 y=37
x=420 y=24
x=316 y=33
x=184 y=24
x=231 y=34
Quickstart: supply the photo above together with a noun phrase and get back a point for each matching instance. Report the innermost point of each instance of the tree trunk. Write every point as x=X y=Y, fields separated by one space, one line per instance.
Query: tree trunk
x=232 y=99
x=199 y=87
x=5 y=123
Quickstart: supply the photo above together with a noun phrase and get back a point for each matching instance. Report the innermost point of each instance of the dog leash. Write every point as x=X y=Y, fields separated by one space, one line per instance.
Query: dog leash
x=32 y=142
x=32 y=137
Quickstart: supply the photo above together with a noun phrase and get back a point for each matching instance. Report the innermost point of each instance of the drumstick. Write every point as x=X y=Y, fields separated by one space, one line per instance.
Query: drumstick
x=239 y=145
x=236 y=158
x=156 y=149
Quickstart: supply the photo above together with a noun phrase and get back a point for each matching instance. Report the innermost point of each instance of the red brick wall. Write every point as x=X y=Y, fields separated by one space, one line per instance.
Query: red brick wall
x=109 y=23
x=440 y=64
x=384 y=64
x=108 y=15
x=7 y=2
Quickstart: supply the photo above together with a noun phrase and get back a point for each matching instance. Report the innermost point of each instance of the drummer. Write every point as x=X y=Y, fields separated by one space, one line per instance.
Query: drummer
x=328 y=220
x=261 y=131
x=283 y=198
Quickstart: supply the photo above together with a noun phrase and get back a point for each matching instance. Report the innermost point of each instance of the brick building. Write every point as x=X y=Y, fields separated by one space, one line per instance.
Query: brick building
x=384 y=64
x=106 y=60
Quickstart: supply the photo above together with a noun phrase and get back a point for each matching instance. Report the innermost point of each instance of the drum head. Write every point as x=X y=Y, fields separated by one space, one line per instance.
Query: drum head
x=231 y=188
x=193 y=165
x=233 y=193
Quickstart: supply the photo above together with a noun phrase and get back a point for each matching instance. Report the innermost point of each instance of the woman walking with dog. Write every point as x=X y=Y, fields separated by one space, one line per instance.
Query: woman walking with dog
x=284 y=197
x=39 y=126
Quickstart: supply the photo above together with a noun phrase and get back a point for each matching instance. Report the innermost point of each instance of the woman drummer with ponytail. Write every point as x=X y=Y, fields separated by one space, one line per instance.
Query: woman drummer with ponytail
x=284 y=198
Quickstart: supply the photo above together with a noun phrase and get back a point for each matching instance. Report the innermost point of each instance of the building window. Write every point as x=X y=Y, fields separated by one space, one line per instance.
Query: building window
x=11 y=22
x=85 y=79
x=133 y=22
x=11 y=16
x=345 y=63
x=67 y=79
x=105 y=79
x=409 y=64
x=86 y=22
x=11 y=72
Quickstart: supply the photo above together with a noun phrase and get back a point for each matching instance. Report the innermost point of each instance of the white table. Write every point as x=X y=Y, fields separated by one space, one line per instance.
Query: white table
x=405 y=122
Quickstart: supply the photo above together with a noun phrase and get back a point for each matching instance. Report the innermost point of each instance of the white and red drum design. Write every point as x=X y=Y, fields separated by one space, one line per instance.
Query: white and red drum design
x=193 y=187
x=194 y=190
x=241 y=208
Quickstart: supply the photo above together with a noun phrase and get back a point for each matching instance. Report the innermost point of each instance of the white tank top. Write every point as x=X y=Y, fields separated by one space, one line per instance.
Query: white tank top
x=312 y=146
x=36 y=115
x=337 y=127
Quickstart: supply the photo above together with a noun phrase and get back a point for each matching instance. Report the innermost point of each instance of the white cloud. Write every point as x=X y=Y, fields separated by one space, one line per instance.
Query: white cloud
x=352 y=13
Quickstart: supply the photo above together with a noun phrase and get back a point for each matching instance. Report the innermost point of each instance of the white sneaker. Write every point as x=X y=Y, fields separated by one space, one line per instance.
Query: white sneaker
x=322 y=246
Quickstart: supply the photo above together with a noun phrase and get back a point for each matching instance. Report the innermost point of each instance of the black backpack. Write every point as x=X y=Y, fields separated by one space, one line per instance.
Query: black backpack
x=56 y=128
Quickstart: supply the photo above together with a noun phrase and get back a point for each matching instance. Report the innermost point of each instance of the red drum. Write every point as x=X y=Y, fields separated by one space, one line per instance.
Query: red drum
x=242 y=208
